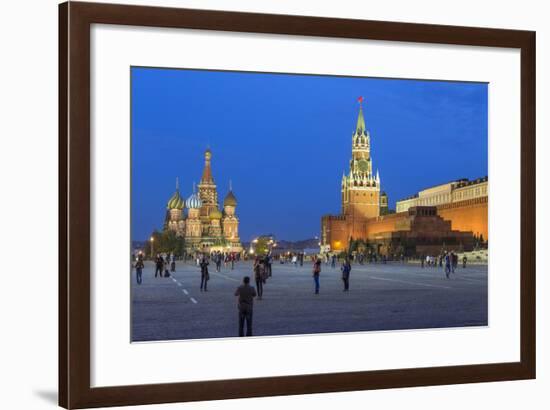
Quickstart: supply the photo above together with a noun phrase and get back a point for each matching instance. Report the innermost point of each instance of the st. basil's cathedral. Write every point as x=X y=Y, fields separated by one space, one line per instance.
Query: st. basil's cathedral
x=199 y=221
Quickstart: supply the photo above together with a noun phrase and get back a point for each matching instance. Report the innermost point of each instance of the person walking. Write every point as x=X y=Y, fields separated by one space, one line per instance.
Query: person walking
x=204 y=274
x=346 y=270
x=448 y=262
x=218 y=260
x=245 y=302
x=333 y=261
x=232 y=261
x=139 y=268
x=159 y=265
x=316 y=274
x=464 y=260
x=258 y=277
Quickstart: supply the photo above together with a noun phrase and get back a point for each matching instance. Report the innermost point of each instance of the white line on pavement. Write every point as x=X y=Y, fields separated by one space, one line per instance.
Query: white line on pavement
x=185 y=291
x=409 y=283
x=225 y=277
x=193 y=300
x=179 y=284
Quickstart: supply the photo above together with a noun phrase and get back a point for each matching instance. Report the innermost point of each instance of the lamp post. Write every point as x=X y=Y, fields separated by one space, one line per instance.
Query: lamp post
x=152 y=243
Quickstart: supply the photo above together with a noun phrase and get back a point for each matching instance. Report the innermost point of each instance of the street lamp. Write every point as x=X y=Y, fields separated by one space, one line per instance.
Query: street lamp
x=152 y=242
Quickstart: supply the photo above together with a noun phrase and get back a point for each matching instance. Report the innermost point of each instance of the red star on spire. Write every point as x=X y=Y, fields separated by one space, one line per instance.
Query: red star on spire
x=360 y=99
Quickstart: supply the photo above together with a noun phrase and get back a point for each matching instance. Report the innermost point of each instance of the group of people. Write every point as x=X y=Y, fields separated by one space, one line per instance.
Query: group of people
x=262 y=271
x=448 y=259
x=164 y=263
x=227 y=258
x=246 y=293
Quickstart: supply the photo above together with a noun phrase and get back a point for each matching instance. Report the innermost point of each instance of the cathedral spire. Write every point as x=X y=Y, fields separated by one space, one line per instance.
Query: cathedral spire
x=207 y=171
x=177 y=184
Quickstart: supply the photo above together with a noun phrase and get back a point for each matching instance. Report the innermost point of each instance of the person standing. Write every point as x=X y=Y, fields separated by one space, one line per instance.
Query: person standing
x=333 y=261
x=316 y=274
x=232 y=261
x=204 y=274
x=346 y=270
x=258 y=277
x=159 y=264
x=245 y=302
x=454 y=261
x=464 y=260
x=268 y=265
x=139 y=268
x=166 y=265
x=173 y=263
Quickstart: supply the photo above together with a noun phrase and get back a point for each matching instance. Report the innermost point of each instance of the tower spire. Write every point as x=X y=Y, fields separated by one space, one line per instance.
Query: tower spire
x=177 y=184
x=360 y=127
x=230 y=186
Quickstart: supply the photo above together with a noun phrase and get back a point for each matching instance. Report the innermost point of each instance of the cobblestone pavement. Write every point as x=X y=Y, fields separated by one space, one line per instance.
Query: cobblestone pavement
x=381 y=297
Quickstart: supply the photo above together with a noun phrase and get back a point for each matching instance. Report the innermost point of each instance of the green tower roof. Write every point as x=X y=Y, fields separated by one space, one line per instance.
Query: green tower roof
x=360 y=128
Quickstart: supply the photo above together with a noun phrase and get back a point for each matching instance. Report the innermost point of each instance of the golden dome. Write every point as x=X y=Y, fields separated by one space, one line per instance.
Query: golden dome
x=215 y=214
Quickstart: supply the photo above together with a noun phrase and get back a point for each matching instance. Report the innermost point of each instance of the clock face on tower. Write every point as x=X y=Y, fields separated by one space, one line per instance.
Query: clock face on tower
x=363 y=165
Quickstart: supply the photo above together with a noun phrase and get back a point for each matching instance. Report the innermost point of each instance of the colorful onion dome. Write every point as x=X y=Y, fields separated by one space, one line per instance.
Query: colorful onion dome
x=230 y=199
x=176 y=202
x=215 y=214
x=193 y=202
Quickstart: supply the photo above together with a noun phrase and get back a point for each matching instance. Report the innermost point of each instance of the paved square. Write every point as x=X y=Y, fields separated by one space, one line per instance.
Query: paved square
x=381 y=297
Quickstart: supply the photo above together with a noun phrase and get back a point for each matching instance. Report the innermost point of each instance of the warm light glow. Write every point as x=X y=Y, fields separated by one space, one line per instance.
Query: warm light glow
x=255 y=240
x=251 y=251
x=152 y=239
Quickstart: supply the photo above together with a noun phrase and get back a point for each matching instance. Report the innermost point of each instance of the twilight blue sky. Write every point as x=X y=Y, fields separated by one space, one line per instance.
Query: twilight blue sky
x=284 y=141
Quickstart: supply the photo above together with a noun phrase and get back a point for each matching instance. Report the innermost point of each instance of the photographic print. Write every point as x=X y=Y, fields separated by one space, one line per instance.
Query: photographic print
x=271 y=204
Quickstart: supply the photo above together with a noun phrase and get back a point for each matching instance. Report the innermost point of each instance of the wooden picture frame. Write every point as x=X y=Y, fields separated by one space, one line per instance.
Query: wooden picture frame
x=75 y=20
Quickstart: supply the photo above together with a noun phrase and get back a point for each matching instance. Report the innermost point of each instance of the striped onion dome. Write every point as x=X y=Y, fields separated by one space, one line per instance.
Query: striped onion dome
x=215 y=214
x=230 y=200
x=193 y=202
x=176 y=202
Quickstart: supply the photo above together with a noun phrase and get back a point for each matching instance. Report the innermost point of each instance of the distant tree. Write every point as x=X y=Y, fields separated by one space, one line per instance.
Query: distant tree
x=261 y=246
x=165 y=242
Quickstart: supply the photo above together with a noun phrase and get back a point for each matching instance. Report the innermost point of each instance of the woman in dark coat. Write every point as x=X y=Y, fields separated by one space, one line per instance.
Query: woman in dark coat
x=346 y=270
x=204 y=274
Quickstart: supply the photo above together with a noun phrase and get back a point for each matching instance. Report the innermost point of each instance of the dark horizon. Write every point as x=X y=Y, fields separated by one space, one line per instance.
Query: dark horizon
x=284 y=141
